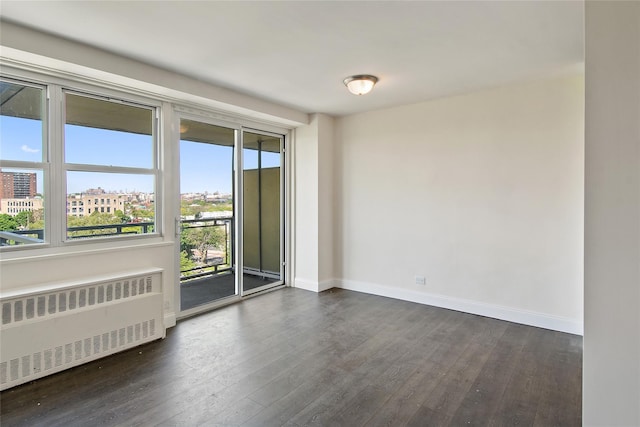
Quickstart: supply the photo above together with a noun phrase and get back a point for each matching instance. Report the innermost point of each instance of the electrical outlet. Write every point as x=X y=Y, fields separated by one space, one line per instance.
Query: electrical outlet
x=421 y=280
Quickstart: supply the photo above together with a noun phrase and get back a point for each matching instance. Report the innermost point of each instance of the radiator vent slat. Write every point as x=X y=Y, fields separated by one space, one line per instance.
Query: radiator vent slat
x=48 y=331
x=61 y=301
x=6 y=313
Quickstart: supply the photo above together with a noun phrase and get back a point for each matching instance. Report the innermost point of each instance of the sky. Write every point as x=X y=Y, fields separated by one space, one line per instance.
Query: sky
x=204 y=167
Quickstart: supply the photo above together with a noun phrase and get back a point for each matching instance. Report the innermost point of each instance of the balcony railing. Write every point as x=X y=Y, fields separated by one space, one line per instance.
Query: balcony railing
x=208 y=246
x=208 y=242
x=109 y=229
x=22 y=237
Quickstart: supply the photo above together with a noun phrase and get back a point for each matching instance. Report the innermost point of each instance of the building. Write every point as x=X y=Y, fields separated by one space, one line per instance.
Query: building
x=493 y=211
x=14 y=206
x=18 y=193
x=85 y=204
x=18 y=185
x=95 y=191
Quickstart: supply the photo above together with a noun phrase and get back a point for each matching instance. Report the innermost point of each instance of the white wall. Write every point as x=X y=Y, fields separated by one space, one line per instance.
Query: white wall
x=314 y=204
x=611 y=378
x=306 y=205
x=326 y=198
x=482 y=194
x=85 y=261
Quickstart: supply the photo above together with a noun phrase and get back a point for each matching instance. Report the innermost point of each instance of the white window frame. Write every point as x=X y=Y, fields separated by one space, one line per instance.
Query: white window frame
x=55 y=169
x=44 y=164
x=81 y=167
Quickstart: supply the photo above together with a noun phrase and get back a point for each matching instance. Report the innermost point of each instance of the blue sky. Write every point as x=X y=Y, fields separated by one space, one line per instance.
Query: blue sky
x=204 y=167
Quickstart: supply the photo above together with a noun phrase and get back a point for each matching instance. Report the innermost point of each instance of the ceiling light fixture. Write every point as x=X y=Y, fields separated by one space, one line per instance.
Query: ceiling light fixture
x=360 y=84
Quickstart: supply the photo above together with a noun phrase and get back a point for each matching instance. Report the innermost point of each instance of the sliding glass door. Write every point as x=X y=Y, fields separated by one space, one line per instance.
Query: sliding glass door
x=207 y=204
x=231 y=221
x=262 y=211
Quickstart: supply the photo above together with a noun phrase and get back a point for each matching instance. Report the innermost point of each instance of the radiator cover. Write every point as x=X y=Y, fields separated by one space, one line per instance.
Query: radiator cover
x=57 y=326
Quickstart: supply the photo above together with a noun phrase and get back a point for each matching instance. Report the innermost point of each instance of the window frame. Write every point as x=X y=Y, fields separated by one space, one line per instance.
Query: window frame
x=153 y=171
x=43 y=165
x=55 y=168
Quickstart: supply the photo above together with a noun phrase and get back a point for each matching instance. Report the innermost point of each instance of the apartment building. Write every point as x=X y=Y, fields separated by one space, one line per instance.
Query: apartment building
x=15 y=206
x=17 y=185
x=86 y=204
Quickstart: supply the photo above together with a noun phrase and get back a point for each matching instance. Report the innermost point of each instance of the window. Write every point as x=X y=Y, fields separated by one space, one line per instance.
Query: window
x=23 y=163
x=109 y=151
x=60 y=150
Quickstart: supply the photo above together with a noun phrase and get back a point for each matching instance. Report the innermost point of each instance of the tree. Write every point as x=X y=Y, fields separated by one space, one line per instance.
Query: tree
x=140 y=212
x=186 y=263
x=37 y=215
x=201 y=239
x=37 y=225
x=121 y=216
x=186 y=244
x=95 y=218
x=7 y=222
x=24 y=218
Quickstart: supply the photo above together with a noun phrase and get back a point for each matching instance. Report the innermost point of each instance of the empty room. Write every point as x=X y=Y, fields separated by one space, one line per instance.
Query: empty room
x=330 y=213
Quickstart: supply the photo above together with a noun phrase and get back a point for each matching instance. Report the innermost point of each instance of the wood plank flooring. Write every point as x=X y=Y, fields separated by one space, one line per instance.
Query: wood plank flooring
x=339 y=358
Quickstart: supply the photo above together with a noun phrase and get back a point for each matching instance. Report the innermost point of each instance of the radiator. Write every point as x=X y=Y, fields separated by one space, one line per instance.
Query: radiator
x=57 y=326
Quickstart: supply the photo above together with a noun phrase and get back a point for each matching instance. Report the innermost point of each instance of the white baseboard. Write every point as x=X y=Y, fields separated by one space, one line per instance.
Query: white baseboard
x=312 y=285
x=170 y=319
x=325 y=285
x=308 y=285
x=531 y=318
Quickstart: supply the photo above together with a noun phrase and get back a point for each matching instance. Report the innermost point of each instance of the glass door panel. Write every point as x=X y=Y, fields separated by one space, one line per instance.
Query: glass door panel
x=262 y=212
x=207 y=261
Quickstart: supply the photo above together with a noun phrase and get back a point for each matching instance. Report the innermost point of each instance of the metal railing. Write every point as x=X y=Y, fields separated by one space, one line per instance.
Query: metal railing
x=22 y=237
x=109 y=229
x=209 y=234
x=220 y=241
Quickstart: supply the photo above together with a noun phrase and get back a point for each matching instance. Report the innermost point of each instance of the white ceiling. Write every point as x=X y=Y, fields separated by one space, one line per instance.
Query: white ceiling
x=297 y=53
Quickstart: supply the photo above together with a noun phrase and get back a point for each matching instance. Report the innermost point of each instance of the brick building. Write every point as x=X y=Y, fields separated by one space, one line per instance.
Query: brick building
x=17 y=185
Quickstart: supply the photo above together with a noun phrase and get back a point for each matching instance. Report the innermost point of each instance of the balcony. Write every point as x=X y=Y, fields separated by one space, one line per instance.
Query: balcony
x=207 y=262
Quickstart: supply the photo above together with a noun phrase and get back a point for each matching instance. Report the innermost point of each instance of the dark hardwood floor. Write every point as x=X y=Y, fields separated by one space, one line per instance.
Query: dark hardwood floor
x=338 y=358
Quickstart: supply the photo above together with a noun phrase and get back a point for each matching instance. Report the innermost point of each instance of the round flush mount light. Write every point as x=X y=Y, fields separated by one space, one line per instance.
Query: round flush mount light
x=360 y=84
